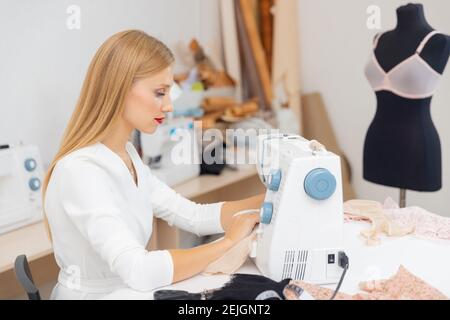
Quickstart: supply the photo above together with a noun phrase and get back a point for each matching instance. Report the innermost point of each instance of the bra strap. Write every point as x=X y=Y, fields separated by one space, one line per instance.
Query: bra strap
x=375 y=41
x=425 y=40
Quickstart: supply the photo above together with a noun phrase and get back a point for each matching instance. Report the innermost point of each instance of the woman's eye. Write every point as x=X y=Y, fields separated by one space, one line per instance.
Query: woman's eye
x=160 y=94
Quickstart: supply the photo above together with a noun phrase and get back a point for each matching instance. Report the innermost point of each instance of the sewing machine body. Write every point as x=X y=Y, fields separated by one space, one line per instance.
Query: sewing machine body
x=300 y=232
x=21 y=176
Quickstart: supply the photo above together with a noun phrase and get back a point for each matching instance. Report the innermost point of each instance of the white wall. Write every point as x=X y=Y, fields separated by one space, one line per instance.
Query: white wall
x=335 y=45
x=43 y=63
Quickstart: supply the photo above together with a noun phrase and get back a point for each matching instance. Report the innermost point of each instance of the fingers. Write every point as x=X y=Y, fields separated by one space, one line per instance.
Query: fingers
x=251 y=217
x=254 y=217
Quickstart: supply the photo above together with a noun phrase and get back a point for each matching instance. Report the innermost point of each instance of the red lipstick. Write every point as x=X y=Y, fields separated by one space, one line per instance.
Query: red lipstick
x=159 y=120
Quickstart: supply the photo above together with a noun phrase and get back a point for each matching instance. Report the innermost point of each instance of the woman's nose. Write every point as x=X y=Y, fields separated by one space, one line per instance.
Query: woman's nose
x=167 y=106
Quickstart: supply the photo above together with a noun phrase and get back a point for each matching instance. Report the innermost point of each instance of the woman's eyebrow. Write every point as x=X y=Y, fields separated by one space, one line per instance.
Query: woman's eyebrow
x=165 y=85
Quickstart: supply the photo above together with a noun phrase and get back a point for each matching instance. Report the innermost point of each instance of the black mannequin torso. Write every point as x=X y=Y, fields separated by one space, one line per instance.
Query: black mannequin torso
x=401 y=43
x=402 y=147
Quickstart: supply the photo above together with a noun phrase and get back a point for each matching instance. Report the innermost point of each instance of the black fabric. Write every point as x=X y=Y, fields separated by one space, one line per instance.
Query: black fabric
x=402 y=147
x=240 y=287
x=248 y=287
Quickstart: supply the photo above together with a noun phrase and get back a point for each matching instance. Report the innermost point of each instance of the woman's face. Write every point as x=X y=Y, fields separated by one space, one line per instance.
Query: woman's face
x=148 y=101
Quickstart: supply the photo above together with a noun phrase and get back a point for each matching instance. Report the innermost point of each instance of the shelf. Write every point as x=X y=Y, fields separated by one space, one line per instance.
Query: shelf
x=208 y=183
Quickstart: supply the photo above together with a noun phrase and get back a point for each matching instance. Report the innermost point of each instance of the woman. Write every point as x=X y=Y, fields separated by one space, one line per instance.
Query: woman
x=100 y=199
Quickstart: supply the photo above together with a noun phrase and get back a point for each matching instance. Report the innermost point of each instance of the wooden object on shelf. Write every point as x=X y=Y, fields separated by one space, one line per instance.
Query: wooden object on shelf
x=266 y=26
x=253 y=52
x=209 y=120
x=210 y=76
x=257 y=48
x=242 y=110
x=211 y=104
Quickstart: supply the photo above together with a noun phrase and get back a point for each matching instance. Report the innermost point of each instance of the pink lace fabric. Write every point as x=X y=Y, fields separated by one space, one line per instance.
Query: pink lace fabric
x=426 y=224
x=410 y=220
x=402 y=286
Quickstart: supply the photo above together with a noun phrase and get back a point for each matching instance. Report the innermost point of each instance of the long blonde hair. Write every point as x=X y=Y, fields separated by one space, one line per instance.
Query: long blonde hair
x=123 y=58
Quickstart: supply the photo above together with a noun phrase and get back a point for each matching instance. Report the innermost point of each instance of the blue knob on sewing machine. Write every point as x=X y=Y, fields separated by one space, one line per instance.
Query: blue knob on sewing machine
x=266 y=212
x=274 y=180
x=320 y=184
x=34 y=184
x=30 y=164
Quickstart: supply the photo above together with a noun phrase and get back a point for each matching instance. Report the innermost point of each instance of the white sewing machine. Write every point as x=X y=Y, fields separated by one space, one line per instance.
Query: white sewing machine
x=21 y=176
x=172 y=151
x=300 y=230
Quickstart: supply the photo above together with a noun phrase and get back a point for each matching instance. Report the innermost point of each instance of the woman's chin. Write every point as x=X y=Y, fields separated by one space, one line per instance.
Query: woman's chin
x=149 y=130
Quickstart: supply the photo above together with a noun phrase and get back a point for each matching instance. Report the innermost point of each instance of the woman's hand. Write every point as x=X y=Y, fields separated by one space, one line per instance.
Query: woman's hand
x=241 y=226
x=237 y=225
x=230 y=208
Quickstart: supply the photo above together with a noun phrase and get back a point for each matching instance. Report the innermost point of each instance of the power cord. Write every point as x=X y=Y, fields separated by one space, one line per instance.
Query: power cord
x=344 y=263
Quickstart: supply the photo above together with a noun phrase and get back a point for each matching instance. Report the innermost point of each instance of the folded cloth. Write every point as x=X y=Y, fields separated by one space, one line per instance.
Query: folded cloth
x=426 y=224
x=233 y=259
x=402 y=286
x=381 y=223
x=388 y=218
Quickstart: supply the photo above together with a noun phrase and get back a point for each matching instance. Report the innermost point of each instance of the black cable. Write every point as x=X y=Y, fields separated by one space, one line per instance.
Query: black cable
x=343 y=262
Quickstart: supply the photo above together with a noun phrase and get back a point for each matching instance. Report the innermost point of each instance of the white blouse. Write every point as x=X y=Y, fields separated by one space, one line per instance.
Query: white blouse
x=101 y=222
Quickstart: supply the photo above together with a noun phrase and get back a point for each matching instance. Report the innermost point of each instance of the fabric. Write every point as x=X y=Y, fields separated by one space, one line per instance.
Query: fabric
x=395 y=221
x=372 y=211
x=317 y=292
x=233 y=259
x=241 y=286
x=413 y=78
x=255 y=74
x=231 y=44
x=101 y=222
x=249 y=287
x=402 y=286
x=426 y=224
x=285 y=63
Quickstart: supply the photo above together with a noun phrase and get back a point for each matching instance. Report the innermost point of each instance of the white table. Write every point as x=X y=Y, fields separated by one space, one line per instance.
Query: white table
x=427 y=259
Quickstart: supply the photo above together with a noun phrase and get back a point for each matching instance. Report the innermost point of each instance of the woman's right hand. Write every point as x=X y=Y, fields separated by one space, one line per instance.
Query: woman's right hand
x=241 y=226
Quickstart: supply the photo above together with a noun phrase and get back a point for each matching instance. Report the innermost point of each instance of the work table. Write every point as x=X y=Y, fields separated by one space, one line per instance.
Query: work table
x=427 y=259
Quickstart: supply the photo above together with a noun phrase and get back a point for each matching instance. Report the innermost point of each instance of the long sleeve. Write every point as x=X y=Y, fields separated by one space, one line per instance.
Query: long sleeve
x=87 y=197
x=200 y=219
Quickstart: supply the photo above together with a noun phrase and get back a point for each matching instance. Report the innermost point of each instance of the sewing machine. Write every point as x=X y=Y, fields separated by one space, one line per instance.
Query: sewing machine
x=300 y=230
x=21 y=176
x=172 y=151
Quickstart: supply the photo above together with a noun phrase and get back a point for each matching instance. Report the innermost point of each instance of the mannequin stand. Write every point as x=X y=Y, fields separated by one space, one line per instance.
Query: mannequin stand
x=402 y=202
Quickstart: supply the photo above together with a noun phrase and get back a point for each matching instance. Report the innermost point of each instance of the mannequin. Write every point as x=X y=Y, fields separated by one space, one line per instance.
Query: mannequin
x=402 y=147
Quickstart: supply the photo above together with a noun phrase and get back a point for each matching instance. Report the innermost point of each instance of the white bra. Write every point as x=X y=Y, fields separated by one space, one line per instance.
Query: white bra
x=413 y=78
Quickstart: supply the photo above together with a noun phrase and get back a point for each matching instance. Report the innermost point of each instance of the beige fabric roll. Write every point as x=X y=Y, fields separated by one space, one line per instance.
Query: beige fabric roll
x=231 y=44
x=285 y=63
